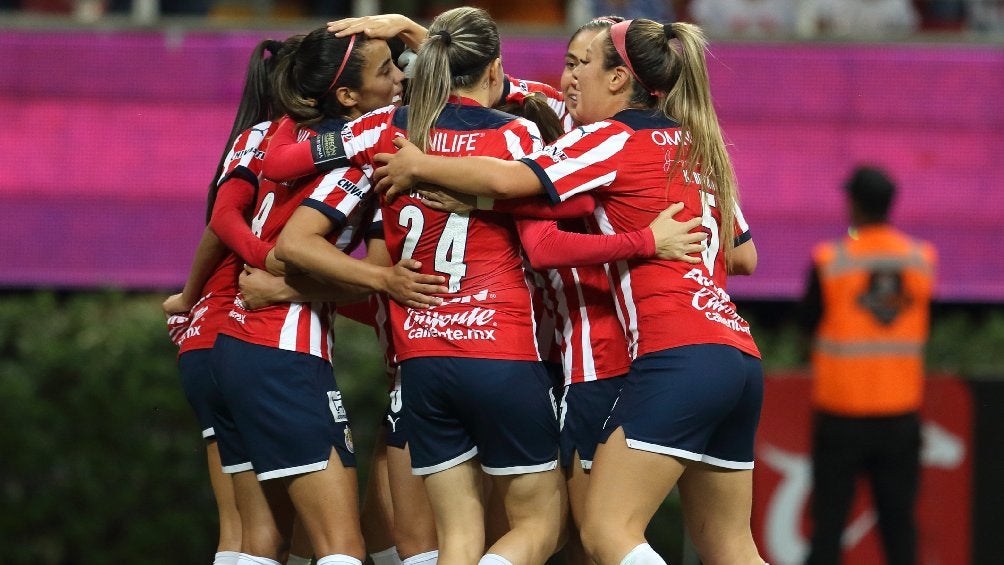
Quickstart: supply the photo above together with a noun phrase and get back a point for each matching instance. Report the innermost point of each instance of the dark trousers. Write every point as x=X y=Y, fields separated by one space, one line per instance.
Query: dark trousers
x=886 y=450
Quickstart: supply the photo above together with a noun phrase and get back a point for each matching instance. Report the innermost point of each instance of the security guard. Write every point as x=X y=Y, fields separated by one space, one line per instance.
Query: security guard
x=868 y=301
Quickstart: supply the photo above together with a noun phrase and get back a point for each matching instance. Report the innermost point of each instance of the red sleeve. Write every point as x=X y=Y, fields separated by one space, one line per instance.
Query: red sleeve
x=547 y=247
x=363 y=312
x=228 y=222
x=537 y=207
x=285 y=158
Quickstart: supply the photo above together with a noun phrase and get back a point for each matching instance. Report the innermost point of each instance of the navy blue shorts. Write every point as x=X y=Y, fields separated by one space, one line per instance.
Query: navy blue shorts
x=503 y=412
x=695 y=402
x=286 y=406
x=200 y=388
x=584 y=409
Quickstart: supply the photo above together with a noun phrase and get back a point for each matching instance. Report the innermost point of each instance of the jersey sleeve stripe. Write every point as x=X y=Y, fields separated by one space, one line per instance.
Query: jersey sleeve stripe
x=742 y=238
x=742 y=227
x=545 y=180
x=595 y=156
x=330 y=212
x=364 y=141
x=242 y=173
x=513 y=144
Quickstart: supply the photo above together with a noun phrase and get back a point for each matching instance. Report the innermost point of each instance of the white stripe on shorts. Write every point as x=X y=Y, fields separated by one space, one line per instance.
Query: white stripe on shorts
x=689 y=455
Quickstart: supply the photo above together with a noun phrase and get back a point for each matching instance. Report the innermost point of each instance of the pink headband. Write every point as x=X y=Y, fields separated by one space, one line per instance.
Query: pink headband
x=345 y=61
x=618 y=32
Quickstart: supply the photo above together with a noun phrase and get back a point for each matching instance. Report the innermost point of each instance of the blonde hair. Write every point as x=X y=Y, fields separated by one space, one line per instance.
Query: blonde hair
x=462 y=42
x=672 y=75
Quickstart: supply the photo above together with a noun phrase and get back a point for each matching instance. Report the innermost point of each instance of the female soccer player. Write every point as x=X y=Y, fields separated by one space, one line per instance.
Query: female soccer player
x=689 y=409
x=196 y=313
x=273 y=364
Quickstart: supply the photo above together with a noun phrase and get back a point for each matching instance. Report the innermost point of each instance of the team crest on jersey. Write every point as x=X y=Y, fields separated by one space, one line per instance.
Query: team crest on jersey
x=348 y=440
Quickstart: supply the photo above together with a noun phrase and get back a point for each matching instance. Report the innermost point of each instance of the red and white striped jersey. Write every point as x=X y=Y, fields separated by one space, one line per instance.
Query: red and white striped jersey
x=555 y=99
x=591 y=337
x=247 y=150
x=304 y=327
x=488 y=313
x=578 y=321
x=625 y=160
x=212 y=310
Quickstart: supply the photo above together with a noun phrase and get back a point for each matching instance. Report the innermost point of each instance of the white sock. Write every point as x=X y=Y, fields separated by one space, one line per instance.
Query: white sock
x=388 y=556
x=245 y=559
x=494 y=559
x=338 y=559
x=427 y=558
x=642 y=554
x=226 y=558
x=297 y=560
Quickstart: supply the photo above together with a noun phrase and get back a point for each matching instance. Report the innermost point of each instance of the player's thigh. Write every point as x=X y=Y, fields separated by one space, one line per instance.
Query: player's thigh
x=626 y=485
x=716 y=499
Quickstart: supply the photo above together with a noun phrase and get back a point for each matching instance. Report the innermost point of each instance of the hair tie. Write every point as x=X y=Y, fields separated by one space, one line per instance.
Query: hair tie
x=618 y=35
x=604 y=20
x=345 y=60
x=667 y=30
x=445 y=35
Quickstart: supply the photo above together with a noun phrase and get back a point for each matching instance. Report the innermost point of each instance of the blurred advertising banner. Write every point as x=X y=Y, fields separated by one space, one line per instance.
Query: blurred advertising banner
x=782 y=479
x=106 y=165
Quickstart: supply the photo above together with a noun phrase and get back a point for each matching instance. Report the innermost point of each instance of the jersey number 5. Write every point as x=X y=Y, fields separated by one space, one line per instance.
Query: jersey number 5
x=450 y=249
x=710 y=223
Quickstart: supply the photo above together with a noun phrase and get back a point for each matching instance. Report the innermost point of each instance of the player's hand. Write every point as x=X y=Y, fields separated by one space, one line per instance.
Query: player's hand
x=410 y=288
x=397 y=175
x=674 y=240
x=445 y=200
x=175 y=304
x=259 y=288
x=383 y=26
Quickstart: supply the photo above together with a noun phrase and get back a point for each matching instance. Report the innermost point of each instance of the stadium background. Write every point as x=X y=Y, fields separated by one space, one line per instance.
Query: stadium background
x=111 y=130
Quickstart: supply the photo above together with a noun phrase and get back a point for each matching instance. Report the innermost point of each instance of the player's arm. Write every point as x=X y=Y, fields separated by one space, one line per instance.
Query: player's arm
x=229 y=223
x=303 y=243
x=480 y=176
x=288 y=159
x=260 y=288
x=548 y=247
x=444 y=200
x=742 y=259
x=208 y=255
x=383 y=26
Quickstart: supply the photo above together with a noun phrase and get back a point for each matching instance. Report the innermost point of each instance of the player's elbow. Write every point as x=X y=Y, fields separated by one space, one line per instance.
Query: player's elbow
x=537 y=262
x=287 y=247
x=743 y=259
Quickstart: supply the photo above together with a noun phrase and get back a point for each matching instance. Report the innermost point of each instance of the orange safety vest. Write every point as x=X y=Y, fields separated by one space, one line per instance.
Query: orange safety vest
x=868 y=356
